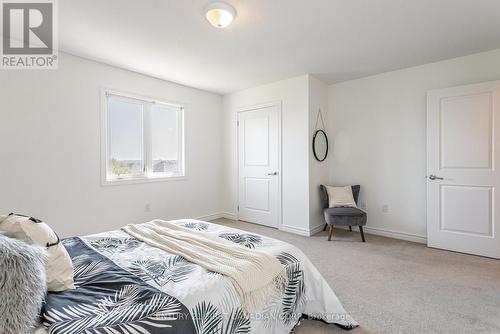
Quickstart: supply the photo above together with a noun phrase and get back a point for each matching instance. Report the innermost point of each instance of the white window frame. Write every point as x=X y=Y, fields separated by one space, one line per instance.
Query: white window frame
x=148 y=175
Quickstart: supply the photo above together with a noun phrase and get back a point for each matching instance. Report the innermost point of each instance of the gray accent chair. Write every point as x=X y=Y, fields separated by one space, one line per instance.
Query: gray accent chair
x=342 y=216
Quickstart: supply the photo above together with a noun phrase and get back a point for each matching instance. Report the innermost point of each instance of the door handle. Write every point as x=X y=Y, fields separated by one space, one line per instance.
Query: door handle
x=434 y=177
x=273 y=173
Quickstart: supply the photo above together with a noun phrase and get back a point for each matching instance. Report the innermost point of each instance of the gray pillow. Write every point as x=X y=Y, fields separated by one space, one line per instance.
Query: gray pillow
x=23 y=285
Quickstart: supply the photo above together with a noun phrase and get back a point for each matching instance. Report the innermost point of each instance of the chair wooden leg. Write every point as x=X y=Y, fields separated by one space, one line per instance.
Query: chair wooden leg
x=330 y=232
x=324 y=228
x=362 y=234
x=350 y=228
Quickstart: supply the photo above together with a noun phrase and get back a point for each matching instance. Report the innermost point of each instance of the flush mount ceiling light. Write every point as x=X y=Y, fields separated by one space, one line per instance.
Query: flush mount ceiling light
x=220 y=14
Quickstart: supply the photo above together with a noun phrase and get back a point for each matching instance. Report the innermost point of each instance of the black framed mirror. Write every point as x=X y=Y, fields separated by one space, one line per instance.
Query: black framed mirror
x=320 y=145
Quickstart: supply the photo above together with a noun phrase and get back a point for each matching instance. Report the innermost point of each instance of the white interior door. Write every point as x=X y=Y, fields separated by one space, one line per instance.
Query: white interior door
x=463 y=149
x=259 y=165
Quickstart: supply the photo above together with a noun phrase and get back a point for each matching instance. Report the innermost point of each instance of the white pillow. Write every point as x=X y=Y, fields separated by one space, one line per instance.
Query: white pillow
x=340 y=197
x=59 y=266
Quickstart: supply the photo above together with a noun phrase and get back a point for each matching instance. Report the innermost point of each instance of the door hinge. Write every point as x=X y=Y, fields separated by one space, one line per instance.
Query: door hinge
x=237 y=123
x=238 y=208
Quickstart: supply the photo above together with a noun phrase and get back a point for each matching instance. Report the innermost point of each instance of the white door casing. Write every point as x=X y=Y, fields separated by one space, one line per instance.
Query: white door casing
x=259 y=162
x=463 y=154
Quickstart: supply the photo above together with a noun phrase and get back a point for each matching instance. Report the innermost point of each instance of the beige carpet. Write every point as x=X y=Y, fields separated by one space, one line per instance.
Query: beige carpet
x=393 y=286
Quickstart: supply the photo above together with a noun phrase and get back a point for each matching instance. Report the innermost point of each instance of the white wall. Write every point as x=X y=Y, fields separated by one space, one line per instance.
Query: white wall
x=50 y=150
x=379 y=131
x=293 y=93
x=318 y=171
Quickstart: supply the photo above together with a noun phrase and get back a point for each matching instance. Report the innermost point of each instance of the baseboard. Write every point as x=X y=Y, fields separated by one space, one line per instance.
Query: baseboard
x=218 y=215
x=229 y=215
x=396 y=234
x=210 y=217
x=392 y=234
x=301 y=231
x=294 y=230
x=316 y=229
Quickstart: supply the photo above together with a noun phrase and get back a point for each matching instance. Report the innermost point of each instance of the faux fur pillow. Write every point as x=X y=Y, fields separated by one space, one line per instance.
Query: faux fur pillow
x=22 y=285
x=59 y=265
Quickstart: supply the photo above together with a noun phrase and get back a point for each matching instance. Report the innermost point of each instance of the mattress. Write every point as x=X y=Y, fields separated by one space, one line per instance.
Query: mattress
x=126 y=286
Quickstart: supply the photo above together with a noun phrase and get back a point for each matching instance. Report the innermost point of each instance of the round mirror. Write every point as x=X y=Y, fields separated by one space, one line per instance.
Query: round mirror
x=320 y=145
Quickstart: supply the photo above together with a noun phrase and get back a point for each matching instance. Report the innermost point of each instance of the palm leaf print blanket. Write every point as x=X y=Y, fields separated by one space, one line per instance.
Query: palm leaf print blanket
x=126 y=286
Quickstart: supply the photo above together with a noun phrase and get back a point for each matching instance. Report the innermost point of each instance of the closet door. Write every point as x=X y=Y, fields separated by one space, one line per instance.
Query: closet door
x=463 y=150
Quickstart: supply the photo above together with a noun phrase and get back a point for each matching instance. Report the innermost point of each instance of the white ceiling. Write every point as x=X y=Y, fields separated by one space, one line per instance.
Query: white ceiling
x=336 y=40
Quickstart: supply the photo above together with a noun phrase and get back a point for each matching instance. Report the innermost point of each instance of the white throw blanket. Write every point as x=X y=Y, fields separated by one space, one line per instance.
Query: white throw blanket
x=255 y=275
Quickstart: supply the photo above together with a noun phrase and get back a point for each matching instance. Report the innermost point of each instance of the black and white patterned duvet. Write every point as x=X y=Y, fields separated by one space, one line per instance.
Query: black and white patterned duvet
x=125 y=286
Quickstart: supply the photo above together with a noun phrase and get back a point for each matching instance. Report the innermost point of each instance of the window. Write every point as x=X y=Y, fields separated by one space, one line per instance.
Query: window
x=144 y=139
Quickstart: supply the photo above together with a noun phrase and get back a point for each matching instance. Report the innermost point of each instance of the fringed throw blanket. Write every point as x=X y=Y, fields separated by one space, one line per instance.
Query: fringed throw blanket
x=255 y=275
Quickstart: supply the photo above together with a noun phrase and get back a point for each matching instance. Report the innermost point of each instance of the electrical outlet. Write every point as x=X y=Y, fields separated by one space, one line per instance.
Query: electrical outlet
x=147 y=208
x=362 y=205
x=385 y=208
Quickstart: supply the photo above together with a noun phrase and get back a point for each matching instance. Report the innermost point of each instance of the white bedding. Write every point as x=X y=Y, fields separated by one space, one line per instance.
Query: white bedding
x=197 y=289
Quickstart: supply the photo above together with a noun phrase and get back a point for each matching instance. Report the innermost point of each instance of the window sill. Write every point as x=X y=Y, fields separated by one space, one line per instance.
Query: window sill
x=138 y=180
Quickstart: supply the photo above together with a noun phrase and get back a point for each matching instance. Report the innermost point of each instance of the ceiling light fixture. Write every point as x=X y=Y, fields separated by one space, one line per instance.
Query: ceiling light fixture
x=220 y=14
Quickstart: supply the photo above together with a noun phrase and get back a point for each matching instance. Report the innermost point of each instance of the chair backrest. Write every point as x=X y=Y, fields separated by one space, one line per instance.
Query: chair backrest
x=324 y=194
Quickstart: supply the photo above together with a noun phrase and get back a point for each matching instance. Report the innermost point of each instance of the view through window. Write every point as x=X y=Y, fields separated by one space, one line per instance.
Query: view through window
x=144 y=138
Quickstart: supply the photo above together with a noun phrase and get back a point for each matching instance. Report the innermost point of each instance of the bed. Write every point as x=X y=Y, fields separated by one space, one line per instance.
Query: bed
x=124 y=285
